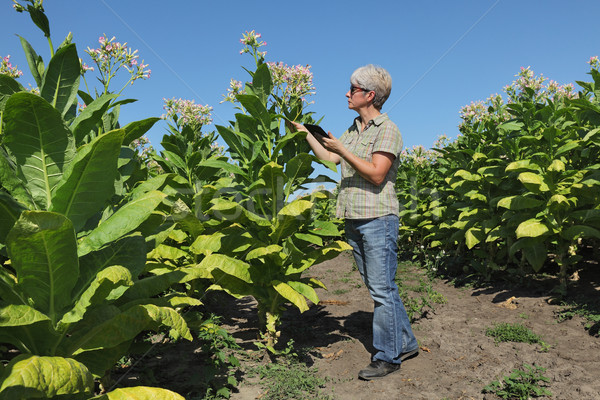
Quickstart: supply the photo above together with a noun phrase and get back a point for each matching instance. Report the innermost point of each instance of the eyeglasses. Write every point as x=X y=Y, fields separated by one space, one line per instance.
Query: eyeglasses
x=354 y=89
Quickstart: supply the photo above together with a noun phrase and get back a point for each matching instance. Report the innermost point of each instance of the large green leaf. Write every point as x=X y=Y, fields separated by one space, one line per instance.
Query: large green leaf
x=88 y=182
x=140 y=393
x=61 y=79
x=531 y=228
x=136 y=129
x=10 y=211
x=533 y=182
x=256 y=108
x=461 y=173
x=262 y=83
x=536 y=254
x=29 y=376
x=20 y=315
x=522 y=165
x=11 y=182
x=129 y=252
x=8 y=86
x=473 y=236
x=304 y=290
x=317 y=256
x=126 y=326
x=213 y=164
x=43 y=251
x=125 y=220
x=297 y=171
x=230 y=266
x=36 y=64
x=263 y=251
x=106 y=281
x=236 y=141
x=275 y=179
x=91 y=116
x=154 y=285
x=577 y=231
x=291 y=218
x=40 y=142
x=516 y=203
x=571 y=145
x=288 y=293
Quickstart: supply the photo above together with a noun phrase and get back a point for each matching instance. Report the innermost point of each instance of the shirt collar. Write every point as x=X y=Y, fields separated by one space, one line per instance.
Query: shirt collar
x=376 y=121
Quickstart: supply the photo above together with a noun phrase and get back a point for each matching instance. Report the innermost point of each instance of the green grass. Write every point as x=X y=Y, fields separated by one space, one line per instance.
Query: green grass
x=586 y=311
x=289 y=379
x=340 y=291
x=507 y=332
x=417 y=297
x=521 y=384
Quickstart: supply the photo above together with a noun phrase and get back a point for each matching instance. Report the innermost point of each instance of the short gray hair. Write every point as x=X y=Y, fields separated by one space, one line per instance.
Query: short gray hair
x=375 y=78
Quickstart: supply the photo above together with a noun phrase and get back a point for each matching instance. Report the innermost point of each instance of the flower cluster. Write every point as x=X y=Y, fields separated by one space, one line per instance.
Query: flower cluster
x=235 y=88
x=6 y=68
x=594 y=63
x=527 y=87
x=251 y=43
x=187 y=113
x=84 y=67
x=293 y=81
x=34 y=3
x=111 y=56
x=418 y=156
x=144 y=150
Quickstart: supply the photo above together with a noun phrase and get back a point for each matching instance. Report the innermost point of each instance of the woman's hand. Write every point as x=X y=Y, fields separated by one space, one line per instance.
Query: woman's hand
x=317 y=144
x=292 y=125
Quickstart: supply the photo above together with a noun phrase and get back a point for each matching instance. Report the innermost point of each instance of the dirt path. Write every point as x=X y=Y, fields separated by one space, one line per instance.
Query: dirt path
x=457 y=359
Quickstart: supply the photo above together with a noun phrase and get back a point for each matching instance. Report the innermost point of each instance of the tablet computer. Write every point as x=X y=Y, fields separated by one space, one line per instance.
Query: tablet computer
x=316 y=130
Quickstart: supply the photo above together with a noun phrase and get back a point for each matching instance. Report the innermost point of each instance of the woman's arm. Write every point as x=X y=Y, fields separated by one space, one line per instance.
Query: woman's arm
x=331 y=149
x=321 y=152
x=374 y=171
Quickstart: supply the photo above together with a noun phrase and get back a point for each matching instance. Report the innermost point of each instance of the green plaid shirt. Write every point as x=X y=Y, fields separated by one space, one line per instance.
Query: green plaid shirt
x=359 y=198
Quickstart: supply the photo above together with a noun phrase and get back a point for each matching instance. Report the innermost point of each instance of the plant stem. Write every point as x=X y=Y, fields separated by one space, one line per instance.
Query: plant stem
x=51 y=47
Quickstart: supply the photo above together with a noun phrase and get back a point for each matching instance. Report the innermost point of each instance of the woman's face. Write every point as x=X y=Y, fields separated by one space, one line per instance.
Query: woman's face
x=357 y=97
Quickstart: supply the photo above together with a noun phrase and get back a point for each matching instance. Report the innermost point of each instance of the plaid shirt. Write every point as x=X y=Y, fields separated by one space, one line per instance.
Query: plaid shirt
x=359 y=198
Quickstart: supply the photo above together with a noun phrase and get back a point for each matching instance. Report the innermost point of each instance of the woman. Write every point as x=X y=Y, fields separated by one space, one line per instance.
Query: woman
x=368 y=152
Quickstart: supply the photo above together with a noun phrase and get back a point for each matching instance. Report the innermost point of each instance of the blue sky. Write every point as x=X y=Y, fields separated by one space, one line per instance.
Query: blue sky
x=441 y=54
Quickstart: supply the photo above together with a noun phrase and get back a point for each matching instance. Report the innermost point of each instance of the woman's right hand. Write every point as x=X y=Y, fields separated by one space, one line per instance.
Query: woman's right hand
x=295 y=125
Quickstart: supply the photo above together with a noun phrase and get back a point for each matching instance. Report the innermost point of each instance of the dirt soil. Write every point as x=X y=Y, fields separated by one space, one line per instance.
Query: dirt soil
x=456 y=359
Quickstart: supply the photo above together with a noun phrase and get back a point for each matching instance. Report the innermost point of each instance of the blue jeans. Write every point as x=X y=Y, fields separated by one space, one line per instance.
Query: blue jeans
x=375 y=248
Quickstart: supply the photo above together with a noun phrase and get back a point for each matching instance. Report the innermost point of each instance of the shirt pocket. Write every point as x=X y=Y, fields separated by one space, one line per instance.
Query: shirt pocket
x=364 y=148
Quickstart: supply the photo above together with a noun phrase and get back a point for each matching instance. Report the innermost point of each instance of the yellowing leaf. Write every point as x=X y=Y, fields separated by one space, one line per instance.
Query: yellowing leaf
x=531 y=228
x=290 y=294
x=533 y=182
x=140 y=393
x=556 y=166
x=263 y=251
x=32 y=376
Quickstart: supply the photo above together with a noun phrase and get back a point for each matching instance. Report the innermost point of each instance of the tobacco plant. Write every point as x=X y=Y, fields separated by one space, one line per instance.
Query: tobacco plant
x=521 y=185
x=73 y=290
x=261 y=236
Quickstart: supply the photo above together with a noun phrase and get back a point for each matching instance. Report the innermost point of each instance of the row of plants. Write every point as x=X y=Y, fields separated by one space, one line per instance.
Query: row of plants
x=517 y=190
x=103 y=239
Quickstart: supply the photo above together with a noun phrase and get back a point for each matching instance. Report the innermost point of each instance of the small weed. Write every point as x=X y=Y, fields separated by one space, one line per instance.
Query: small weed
x=221 y=362
x=523 y=316
x=586 y=311
x=340 y=291
x=416 y=306
x=289 y=379
x=506 y=332
x=521 y=384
